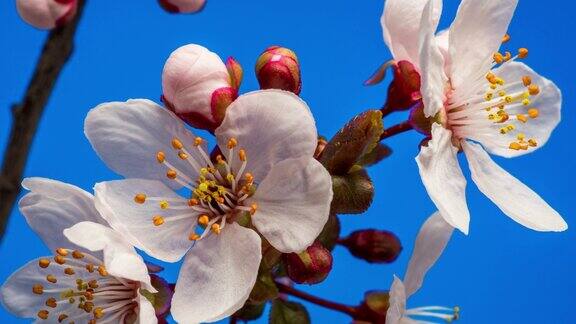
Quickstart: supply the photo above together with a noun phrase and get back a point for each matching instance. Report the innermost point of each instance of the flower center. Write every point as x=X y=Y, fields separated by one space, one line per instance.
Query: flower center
x=217 y=195
x=78 y=287
x=494 y=107
x=444 y=313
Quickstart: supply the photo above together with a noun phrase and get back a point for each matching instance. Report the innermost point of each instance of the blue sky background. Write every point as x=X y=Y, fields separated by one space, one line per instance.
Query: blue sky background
x=500 y=273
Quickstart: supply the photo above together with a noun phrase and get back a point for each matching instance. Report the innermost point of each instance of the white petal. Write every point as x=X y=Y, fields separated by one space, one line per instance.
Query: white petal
x=443 y=178
x=548 y=102
x=400 y=21
x=120 y=258
x=128 y=135
x=475 y=35
x=146 y=312
x=271 y=125
x=397 y=302
x=17 y=297
x=217 y=276
x=52 y=206
x=293 y=204
x=513 y=197
x=431 y=241
x=115 y=201
x=431 y=62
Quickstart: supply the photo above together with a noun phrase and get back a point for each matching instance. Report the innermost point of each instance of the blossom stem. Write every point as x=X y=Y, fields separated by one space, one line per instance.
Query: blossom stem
x=346 y=309
x=27 y=114
x=396 y=129
x=386 y=110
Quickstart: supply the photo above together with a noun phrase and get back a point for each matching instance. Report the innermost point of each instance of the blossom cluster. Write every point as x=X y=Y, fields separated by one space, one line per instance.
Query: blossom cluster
x=259 y=210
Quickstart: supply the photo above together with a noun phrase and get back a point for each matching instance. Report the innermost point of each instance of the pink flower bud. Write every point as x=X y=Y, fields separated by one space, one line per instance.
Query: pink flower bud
x=46 y=14
x=404 y=91
x=373 y=246
x=182 y=6
x=310 y=266
x=197 y=87
x=278 y=68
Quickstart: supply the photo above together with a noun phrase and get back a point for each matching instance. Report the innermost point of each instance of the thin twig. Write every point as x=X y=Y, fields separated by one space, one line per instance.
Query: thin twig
x=346 y=309
x=26 y=114
x=396 y=129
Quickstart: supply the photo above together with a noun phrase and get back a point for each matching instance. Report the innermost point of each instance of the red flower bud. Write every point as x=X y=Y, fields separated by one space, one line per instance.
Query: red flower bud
x=310 y=266
x=278 y=68
x=197 y=87
x=373 y=246
x=182 y=6
x=404 y=91
x=373 y=308
x=46 y=14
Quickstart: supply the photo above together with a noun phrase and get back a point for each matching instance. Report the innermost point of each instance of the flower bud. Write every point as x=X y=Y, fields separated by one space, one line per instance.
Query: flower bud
x=373 y=246
x=182 y=6
x=46 y=14
x=373 y=308
x=404 y=91
x=196 y=86
x=310 y=266
x=278 y=68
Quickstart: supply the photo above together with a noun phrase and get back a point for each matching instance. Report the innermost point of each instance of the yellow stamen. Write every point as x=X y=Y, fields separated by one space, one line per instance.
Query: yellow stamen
x=522 y=52
x=526 y=80
x=43 y=314
x=506 y=38
x=158 y=220
x=194 y=237
x=176 y=144
x=59 y=259
x=522 y=118
x=533 y=113
x=215 y=228
x=51 y=278
x=61 y=251
x=253 y=209
x=160 y=157
x=90 y=267
x=514 y=146
x=38 y=289
x=182 y=155
x=532 y=142
x=533 y=89
x=140 y=198
x=69 y=271
x=232 y=143
x=98 y=312
x=526 y=102
x=498 y=58
x=171 y=174
x=193 y=202
x=102 y=271
x=164 y=204
x=507 y=56
x=203 y=220
x=488 y=96
x=242 y=155
x=43 y=263
x=520 y=136
x=51 y=302
x=62 y=317
x=198 y=141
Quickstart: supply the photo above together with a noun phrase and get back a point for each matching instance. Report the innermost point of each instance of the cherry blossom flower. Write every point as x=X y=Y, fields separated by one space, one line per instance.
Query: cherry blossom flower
x=94 y=276
x=46 y=14
x=197 y=86
x=263 y=174
x=430 y=243
x=482 y=100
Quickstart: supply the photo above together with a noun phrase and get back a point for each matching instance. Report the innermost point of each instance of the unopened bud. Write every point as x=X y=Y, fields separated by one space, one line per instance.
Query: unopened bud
x=373 y=308
x=310 y=266
x=182 y=6
x=404 y=91
x=46 y=14
x=278 y=68
x=196 y=86
x=322 y=142
x=373 y=246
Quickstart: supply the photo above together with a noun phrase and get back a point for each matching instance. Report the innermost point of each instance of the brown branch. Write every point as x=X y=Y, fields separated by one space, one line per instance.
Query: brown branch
x=26 y=114
x=396 y=129
x=346 y=309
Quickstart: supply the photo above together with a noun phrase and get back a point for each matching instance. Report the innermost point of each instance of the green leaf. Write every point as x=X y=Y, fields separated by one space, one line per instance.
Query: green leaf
x=250 y=312
x=286 y=312
x=353 y=193
x=379 y=153
x=265 y=289
x=330 y=233
x=357 y=138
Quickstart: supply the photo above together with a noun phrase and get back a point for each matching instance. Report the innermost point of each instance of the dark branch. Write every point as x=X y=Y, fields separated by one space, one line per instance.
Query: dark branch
x=346 y=309
x=26 y=114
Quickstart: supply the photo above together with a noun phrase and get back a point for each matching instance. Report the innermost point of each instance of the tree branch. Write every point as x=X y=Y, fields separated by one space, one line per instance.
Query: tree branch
x=350 y=310
x=26 y=114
